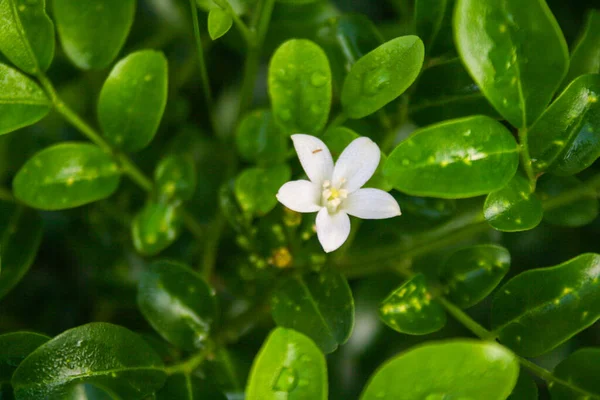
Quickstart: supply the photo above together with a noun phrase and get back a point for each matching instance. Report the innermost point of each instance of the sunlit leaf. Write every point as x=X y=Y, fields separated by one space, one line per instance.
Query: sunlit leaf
x=155 y=227
x=219 y=23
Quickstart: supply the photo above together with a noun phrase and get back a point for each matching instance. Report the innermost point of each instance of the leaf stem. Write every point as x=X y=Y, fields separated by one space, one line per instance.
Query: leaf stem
x=188 y=366
x=526 y=158
x=466 y=320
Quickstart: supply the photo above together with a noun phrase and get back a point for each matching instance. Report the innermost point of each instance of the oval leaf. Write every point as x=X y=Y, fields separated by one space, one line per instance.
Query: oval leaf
x=260 y=140
x=515 y=52
x=513 y=208
x=460 y=158
x=585 y=57
x=178 y=304
x=219 y=23
x=318 y=305
x=21 y=230
x=382 y=75
x=567 y=301
x=300 y=87
x=470 y=274
x=22 y=101
x=289 y=365
x=14 y=348
x=155 y=227
x=133 y=99
x=99 y=353
x=581 y=369
x=66 y=175
x=27 y=34
x=410 y=309
x=564 y=140
x=255 y=188
x=180 y=386
x=577 y=213
x=175 y=177
x=457 y=369
x=93 y=32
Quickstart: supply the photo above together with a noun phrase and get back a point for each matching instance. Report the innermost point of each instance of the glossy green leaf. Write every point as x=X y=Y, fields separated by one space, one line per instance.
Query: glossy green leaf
x=289 y=366
x=175 y=177
x=525 y=389
x=513 y=208
x=381 y=76
x=566 y=301
x=516 y=53
x=155 y=227
x=133 y=99
x=66 y=175
x=455 y=369
x=564 y=139
x=27 y=34
x=577 y=213
x=255 y=188
x=21 y=234
x=22 y=101
x=471 y=273
x=338 y=138
x=585 y=56
x=178 y=304
x=259 y=139
x=581 y=369
x=447 y=91
x=14 y=348
x=459 y=158
x=99 y=353
x=318 y=305
x=93 y=32
x=219 y=23
x=180 y=386
x=411 y=309
x=429 y=15
x=300 y=87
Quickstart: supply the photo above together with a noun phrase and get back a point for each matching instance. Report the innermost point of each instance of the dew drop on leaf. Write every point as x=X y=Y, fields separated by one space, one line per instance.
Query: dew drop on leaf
x=318 y=79
x=376 y=81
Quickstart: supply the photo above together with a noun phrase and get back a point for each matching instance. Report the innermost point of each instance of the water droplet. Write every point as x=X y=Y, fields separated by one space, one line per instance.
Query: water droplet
x=305 y=358
x=285 y=114
x=315 y=109
x=318 y=79
x=286 y=381
x=79 y=343
x=376 y=81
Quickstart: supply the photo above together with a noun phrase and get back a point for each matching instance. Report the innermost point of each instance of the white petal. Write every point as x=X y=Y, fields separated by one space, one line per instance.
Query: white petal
x=314 y=157
x=356 y=164
x=332 y=229
x=301 y=196
x=371 y=204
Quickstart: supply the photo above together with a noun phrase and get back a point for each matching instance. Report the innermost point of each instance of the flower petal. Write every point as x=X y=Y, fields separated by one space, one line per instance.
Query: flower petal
x=356 y=164
x=332 y=229
x=301 y=196
x=371 y=204
x=314 y=157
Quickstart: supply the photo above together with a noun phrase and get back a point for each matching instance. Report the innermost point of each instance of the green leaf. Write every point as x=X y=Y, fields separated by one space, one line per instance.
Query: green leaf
x=27 y=34
x=178 y=304
x=382 y=75
x=447 y=91
x=93 y=32
x=99 y=353
x=260 y=140
x=577 y=213
x=566 y=301
x=564 y=139
x=470 y=274
x=513 y=208
x=255 y=188
x=338 y=138
x=22 y=101
x=21 y=230
x=14 y=347
x=318 y=305
x=585 y=56
x=526 y=389
x=459 y=158
x=581 y=369
x=516 y=53
x=411 y=309
x=155 y=227
x=175 y=177
x=133 y=99
x=429 y=15
x=290 y=366
x=66 y=175
x=219 y=23
x=454 y=369
x=180 y=386
x=300 y=87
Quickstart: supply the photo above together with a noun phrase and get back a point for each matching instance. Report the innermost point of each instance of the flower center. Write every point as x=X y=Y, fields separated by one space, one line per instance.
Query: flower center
x=332 y=197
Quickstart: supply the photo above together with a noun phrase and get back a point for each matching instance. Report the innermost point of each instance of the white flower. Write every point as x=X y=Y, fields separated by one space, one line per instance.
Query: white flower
x=335 y=191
